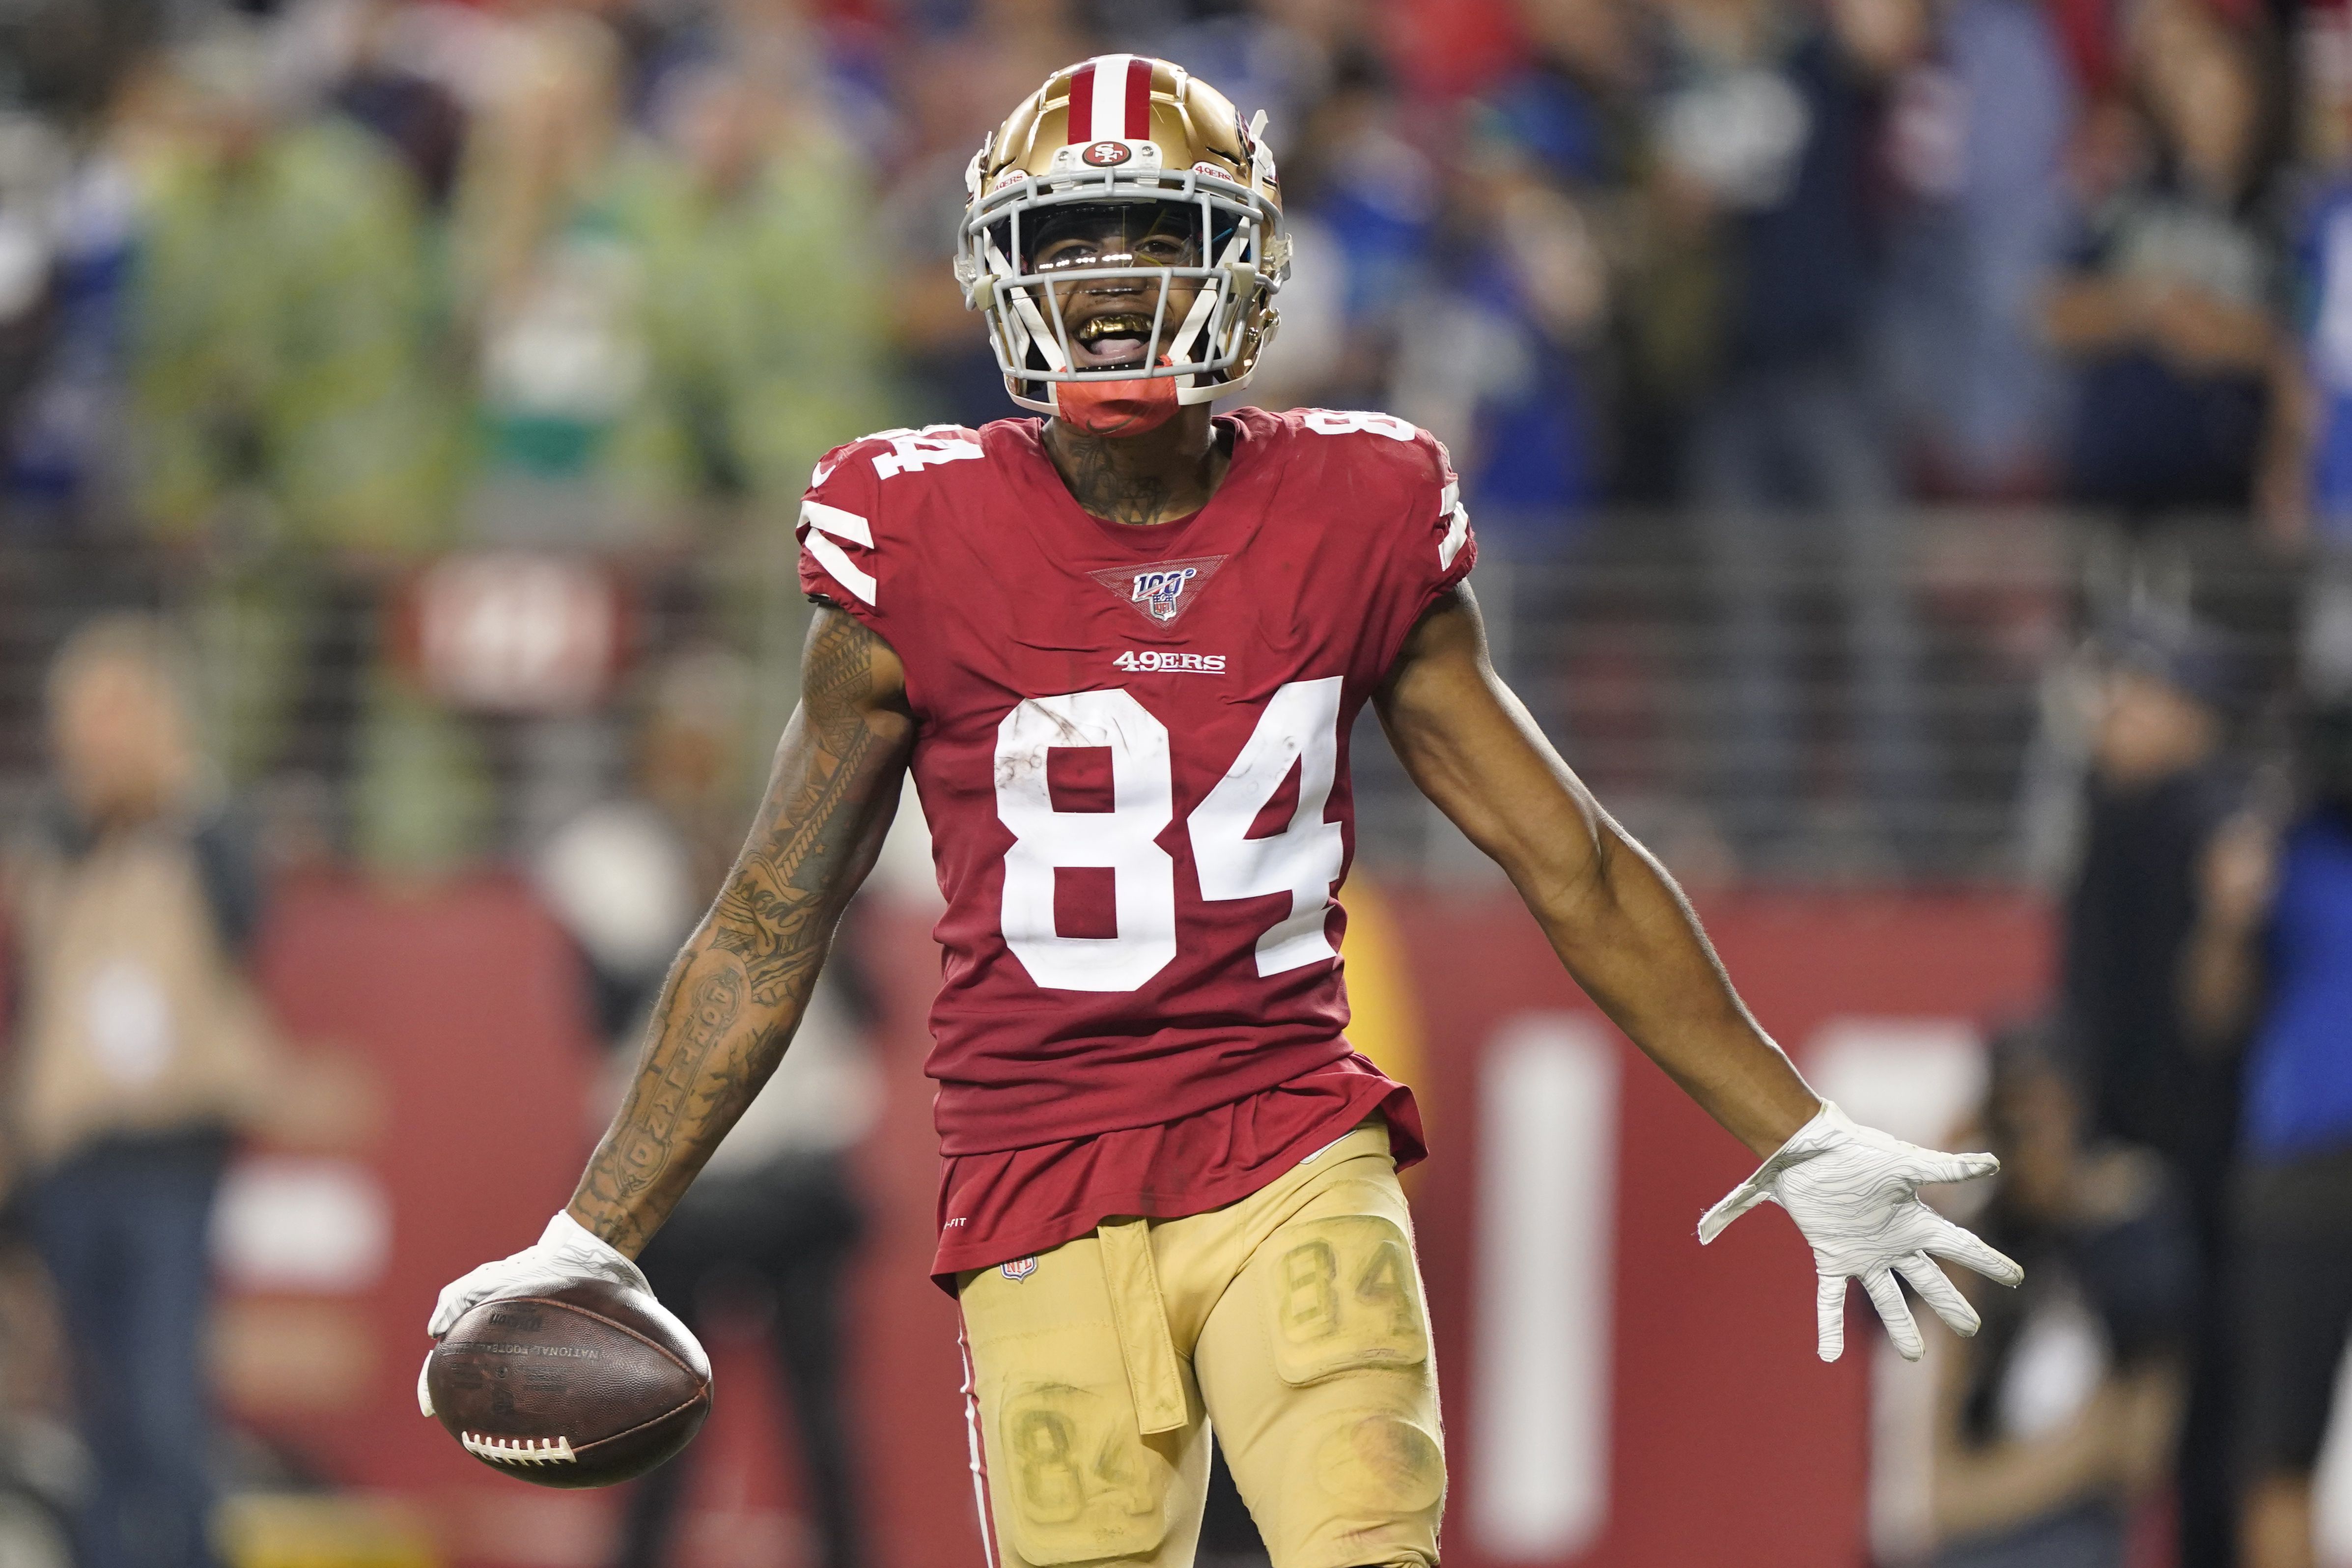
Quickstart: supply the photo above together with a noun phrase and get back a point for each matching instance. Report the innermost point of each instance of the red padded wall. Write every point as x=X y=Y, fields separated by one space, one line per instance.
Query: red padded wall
x=1730 y=1443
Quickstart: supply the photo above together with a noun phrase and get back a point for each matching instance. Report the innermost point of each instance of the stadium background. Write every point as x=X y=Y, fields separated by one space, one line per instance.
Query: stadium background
x=448 y=373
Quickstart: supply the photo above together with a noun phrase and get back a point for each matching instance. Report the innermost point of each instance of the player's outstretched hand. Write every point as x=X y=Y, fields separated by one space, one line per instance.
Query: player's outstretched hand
x=566 y=1253
x=1855 y=1194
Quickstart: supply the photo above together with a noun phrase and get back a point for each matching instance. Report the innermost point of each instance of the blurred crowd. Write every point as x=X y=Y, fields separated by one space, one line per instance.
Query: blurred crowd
x=364 y=281
x=2175 y=1132
x=376 y=281
x=386 y=275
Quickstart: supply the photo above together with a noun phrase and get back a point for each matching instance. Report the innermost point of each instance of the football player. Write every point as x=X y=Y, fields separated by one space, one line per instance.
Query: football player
x=1121 y=648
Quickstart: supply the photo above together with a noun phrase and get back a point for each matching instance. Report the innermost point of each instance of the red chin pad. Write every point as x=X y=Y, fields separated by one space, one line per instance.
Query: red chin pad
x=1128 y=406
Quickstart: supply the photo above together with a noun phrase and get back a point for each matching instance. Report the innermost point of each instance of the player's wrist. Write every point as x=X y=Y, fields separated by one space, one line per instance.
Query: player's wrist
x=570 y=1232
x=1824 y=1124
x=1805 y=1115
x=610 y=1225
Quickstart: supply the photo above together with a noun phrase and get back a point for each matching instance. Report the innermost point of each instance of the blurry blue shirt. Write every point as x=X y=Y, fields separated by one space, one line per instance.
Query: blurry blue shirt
x=1979 y=136
x=65 y=425
x=2324 y=273
x=1534 y=467
x=1536 y=460
x=1803 y=269
x=2299 y=1070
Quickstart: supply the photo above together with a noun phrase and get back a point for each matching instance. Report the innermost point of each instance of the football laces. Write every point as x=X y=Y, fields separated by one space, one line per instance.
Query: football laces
x=519 y=1450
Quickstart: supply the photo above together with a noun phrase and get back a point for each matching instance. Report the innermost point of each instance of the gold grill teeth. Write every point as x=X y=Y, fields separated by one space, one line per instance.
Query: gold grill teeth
x=1103 y=327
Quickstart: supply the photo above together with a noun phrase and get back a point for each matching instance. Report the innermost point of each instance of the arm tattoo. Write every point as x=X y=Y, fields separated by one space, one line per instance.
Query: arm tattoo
x=667 y=1084
x=774 y=913
x=736 y=994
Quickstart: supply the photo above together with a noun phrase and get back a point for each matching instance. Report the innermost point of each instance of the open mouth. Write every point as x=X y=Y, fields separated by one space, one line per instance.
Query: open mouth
x=1109 y=342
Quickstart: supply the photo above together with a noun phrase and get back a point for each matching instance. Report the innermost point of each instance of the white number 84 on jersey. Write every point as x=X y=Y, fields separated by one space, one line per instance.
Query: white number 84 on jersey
x=1300 y=726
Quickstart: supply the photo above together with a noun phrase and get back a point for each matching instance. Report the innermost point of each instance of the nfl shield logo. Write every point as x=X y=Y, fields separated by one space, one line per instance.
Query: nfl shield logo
x=1020 y=1268
x=1160 y=592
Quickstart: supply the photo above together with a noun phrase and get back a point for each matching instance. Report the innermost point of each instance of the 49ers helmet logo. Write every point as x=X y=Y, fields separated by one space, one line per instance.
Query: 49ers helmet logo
x=1107 y=155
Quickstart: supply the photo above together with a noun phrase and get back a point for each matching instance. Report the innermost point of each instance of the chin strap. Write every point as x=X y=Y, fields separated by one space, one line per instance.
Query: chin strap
x=1128 y=406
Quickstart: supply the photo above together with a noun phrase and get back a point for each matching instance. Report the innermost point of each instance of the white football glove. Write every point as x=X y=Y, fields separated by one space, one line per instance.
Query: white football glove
x=1855 y=1194
x=566 y=1253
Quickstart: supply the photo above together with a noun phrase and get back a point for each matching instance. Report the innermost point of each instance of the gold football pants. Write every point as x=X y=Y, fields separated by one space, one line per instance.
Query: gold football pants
x=1294 y=1320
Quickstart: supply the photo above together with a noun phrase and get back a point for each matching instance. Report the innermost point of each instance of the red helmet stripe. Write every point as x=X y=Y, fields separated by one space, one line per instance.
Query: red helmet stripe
x=1139 y=100
x=1082 y=104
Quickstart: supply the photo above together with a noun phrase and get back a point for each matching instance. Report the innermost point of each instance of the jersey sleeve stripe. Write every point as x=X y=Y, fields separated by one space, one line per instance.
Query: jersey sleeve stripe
x=1457 y=530
x=839 y=523
x=835 y=561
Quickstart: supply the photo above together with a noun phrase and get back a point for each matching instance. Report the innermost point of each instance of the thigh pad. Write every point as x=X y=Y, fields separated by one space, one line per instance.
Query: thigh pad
x=1082 y=1482
x=1345 y=1296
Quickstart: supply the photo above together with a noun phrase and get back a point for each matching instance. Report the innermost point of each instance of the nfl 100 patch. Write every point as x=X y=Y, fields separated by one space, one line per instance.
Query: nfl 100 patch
x=1163 y=590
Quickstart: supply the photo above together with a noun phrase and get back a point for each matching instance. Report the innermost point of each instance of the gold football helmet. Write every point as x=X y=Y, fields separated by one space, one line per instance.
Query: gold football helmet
x=1124 y=170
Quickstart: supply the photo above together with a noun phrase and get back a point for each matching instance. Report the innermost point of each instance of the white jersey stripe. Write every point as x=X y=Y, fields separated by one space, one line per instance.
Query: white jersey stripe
x=836 y=560
x=1457 y=531
x=839 y=523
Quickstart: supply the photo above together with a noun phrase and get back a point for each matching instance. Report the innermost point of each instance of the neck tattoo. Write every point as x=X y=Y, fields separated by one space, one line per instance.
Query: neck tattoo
x=1096 y=481
x=1124 y=482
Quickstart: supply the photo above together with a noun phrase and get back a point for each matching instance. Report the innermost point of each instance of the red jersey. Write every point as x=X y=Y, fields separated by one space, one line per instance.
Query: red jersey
x=1131 y=745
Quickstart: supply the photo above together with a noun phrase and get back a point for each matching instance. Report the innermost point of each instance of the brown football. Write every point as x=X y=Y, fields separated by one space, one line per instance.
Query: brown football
x=584 y=1386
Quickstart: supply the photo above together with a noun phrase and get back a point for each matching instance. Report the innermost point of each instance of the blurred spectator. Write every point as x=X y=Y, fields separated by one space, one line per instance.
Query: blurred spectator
x=66 y=56
x=697 y=320
x=1494 y=363
x=1276 y=54
x=1763 y=134
x=541 y=135
x=1976 y=135
x=2160 y=786
x=547 y=286
x=140 y=1051
x=2307 y=483
x=44 y=1467
x=953 y=89
x=2061 y=1413
x=762 y=323
x=2271 y=967
x=422 y=804
x=1367 y=188
x=774 y=1216
x=278 y=314
x=1285 y=58
x=418 y=116
x=70 y=210
x=1452 y=49
x=2168 y=311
